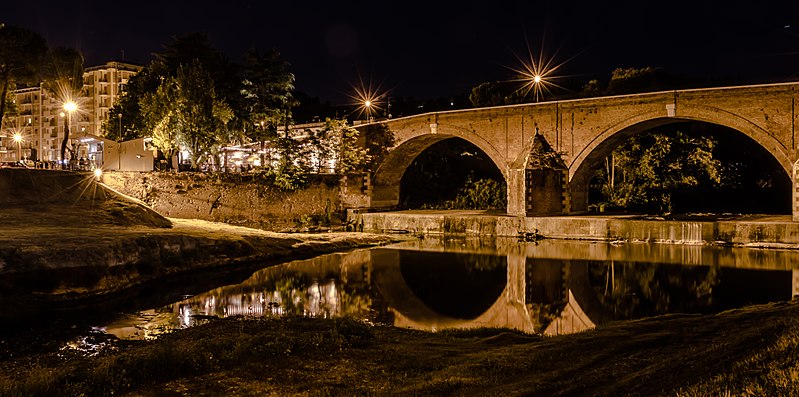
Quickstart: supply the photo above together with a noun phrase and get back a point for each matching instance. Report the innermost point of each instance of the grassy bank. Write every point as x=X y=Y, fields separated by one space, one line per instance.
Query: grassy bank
x=751 y=351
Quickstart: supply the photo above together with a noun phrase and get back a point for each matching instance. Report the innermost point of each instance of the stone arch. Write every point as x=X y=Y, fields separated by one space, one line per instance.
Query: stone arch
x=387 y=177
x=581 y=167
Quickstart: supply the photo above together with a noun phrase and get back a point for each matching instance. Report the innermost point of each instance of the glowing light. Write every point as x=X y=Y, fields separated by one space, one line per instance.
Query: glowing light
x=367 y=99
x=98 y=173
x=17 y=137
x=70 y=106
x=536 y=74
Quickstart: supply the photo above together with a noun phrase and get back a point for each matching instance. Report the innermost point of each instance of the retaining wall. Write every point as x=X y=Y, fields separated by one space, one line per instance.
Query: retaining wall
x=777 y=231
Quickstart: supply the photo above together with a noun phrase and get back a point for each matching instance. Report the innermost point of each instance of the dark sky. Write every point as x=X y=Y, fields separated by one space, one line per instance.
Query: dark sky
x=431 y=49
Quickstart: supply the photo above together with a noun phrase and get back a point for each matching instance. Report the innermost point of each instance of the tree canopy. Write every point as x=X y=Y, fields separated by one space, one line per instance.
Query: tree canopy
x=643 y=173
x=193 y=96
x=21 y=54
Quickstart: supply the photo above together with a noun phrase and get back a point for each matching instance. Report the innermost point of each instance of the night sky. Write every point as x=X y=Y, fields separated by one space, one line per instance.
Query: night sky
x=428 y=49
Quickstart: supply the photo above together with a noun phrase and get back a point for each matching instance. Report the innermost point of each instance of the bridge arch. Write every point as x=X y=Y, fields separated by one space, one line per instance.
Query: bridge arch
x=584 y=163
x=386 y=179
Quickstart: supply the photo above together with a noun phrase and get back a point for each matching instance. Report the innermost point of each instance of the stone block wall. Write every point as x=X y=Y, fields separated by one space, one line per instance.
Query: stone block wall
x=238 y=199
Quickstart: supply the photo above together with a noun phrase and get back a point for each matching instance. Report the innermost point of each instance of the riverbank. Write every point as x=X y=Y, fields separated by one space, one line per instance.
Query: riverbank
x=64 y=237
x=775 y=231
x=751 y=351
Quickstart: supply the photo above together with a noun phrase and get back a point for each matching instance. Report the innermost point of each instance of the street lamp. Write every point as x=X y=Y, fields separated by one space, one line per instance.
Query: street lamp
x=69 y=107
x=18 y=140
x=368 y=106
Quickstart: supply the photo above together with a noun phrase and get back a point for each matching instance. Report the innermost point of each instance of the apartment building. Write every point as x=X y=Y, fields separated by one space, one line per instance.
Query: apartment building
x=41 y=120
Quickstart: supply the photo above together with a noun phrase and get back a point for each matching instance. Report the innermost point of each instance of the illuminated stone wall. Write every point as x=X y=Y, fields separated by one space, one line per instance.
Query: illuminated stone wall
x=232 y=198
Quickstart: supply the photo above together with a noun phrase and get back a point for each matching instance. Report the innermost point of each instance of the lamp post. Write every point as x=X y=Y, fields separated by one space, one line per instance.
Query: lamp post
x=368 y=106
x=537 y=85
x=18 y=140
x=69 y=107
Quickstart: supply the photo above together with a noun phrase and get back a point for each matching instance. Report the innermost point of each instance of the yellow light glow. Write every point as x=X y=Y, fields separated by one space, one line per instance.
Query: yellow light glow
x=70 y=106
x=98 y=173
x=17 y=137
x=366 y=97
x=536 y=73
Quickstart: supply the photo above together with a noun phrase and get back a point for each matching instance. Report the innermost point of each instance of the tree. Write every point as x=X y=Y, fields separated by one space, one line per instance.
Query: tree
x=21 y=54
x=185 y=111
x=202 y=116
x=268 y=87
x=326 y=143
x=267 y=96
x=378 y=140
x=486 y=94
x=352 y=156
x=636 y=80
x=182 y=51
x=125 y=119
x=158 y=116
x=63 y=76
x=651 y=166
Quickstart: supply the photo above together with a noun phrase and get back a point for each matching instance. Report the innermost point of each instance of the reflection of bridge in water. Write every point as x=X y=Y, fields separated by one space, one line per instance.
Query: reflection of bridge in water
x=554 y=287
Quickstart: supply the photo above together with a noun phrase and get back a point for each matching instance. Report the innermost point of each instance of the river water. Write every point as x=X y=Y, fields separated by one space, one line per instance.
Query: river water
x=550 y=287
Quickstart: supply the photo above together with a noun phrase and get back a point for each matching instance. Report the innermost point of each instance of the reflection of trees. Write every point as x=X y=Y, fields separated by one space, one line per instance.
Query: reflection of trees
x=633 y=290
x=482 y=262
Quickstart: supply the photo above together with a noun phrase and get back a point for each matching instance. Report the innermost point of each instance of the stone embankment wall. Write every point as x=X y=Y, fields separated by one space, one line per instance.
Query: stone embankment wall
x=239 y=199
x=777 y=232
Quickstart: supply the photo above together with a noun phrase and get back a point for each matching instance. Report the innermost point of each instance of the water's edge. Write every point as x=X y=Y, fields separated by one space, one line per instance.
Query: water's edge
x=767 y=233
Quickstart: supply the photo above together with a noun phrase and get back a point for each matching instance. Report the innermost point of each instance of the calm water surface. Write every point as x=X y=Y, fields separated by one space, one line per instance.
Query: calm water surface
x=552 y=287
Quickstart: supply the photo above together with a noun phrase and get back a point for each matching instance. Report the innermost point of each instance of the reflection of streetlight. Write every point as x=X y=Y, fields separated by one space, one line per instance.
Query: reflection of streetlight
x=69 y=107
x=18 y=140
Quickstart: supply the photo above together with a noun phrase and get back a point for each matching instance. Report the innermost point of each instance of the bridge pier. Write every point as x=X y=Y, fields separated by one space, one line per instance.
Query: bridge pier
x=795 y=200
x=516 y=193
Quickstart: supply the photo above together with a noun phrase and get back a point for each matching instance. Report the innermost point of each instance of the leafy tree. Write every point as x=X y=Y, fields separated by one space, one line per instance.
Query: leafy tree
x=326 y=143
x=158 y=116
x=266 y=96
x=202 y=116
x=592 y=88
x=9 y=101
x=486 y=94
x=267 y=90
x=185 y=111
x=486 y=193
x=184 y=50
x=133 y=121
x=352 y=155
x=21 y=54
x=636 y=80
x=63 y=76
x=646 y=170
x=379 y=139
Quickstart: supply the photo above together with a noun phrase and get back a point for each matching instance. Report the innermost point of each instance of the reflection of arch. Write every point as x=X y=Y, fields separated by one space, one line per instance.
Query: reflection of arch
x=583 y=163
x=411 y=312
x=387 y=177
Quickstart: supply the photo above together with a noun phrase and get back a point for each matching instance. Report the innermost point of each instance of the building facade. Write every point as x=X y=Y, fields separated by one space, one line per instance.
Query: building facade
x=41 y=121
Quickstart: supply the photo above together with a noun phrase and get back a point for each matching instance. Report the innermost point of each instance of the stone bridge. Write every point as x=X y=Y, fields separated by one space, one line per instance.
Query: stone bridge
x=582 y=133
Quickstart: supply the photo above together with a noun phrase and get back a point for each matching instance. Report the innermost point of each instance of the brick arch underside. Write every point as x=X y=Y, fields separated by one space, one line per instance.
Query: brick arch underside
x=584 y=164
x=386 y=180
